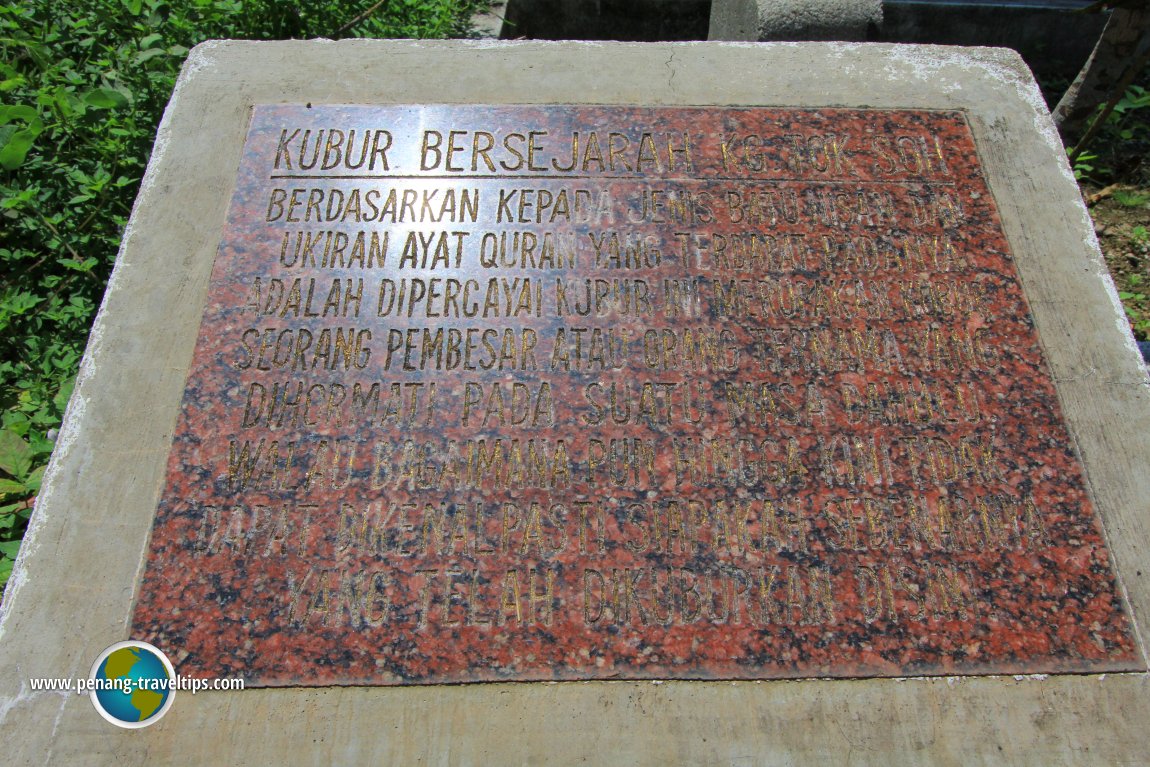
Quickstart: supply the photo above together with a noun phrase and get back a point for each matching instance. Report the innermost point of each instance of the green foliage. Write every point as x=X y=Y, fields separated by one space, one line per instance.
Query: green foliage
x=21 y=468
x=1136 y=302
x=1084 y=165
x=1122 y=142
x=82 y=87
x=1129 y=198
x=1140 y=236
x=1135 y=98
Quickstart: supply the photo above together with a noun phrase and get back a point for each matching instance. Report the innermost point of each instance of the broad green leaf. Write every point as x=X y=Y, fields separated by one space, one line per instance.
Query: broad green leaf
x=105 y=98
x=151 y=53
x=11 y=487
x=8 y=113
x=14 y=151
x=35 y=479
x=80 y=266
x=10 y=548
x=134 y=6
x=65 y=394
x=15 y=455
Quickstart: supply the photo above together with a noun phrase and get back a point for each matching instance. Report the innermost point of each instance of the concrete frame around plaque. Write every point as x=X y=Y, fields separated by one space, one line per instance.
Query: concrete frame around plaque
x=76 y=582
x=766 y=20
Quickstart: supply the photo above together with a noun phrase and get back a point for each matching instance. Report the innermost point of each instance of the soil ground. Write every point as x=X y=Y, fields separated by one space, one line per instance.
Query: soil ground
x=1122 y=222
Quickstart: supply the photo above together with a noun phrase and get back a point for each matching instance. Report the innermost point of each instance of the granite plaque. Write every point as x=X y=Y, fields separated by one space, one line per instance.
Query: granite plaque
x=524 y=393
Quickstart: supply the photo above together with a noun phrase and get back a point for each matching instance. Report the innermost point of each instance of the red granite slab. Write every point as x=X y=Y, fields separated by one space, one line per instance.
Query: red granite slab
x=523 y=393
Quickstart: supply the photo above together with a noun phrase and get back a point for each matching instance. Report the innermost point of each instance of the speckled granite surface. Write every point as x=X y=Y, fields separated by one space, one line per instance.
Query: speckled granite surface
x=764 y=400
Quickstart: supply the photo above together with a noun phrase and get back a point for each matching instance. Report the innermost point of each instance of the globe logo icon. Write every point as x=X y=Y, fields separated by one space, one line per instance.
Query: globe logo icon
x=132 y=684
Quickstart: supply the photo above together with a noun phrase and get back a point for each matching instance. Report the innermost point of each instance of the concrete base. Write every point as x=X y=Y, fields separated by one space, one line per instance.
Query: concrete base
x=766 y=20
x=75 y=583
x=1053 y=42
x=488 y=23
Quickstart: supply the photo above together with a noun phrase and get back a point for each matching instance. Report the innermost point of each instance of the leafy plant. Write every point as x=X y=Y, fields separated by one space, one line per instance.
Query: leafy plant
x=1136 y=97
x=1130 y=199
x=1084 y=166
x=1122 y=139
x=82 y=87
x=1136 y=303
x=21 y=468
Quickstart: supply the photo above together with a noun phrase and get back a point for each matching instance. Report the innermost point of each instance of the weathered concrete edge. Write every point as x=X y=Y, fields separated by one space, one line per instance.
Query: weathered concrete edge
x=93 y=484
x=765 y=20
